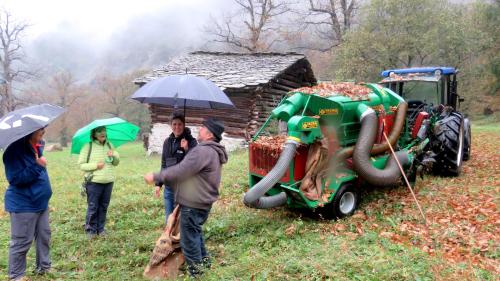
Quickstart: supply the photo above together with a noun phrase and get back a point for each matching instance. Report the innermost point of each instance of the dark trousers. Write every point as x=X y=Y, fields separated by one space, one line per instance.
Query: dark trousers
x=98 y=197
x=192 y=243
x=24 y=228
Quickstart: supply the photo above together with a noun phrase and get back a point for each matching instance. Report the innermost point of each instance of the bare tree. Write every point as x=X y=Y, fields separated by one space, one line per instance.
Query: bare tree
x=63 y=93
x=11 y=59
x=253 y=28
x=331 y=19
x=116 y=92
x=114 y=95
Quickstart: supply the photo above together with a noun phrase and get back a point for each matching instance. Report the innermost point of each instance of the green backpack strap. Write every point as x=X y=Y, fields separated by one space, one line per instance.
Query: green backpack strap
x=90 y=151
x=88 y=176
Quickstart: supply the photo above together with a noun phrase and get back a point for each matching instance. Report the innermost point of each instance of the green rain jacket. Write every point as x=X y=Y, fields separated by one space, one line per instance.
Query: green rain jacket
x=99 y=154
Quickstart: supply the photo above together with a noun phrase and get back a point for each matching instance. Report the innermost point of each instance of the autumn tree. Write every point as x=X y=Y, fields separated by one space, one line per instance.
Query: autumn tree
x=482 y=81
x=254 y=27
x=399 y=33
x=11 y=59
x=59 y=89
x=114 y=94
x=64 y=94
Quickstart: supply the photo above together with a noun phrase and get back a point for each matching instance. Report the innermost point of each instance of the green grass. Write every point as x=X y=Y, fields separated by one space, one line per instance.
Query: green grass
x=247 y=244
x=489 y=127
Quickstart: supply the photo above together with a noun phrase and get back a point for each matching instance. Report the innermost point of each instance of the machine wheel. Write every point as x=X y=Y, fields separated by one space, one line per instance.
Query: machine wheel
x=467 y=139
x=344 y=203
x=449 y=145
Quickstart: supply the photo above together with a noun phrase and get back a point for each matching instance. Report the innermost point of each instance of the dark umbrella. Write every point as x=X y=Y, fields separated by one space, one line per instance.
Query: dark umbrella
x=187 y=90
x=20 y=123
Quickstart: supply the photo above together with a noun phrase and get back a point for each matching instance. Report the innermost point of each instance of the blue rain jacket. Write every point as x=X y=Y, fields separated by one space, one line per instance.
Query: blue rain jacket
x=29 y=188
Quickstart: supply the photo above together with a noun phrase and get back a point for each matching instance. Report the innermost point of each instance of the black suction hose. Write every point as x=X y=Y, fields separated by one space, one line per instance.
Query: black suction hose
x=255 y=197
x=390 y=175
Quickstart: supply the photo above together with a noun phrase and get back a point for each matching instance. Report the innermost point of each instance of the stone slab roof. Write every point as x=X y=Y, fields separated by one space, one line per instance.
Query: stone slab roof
x=227 y=70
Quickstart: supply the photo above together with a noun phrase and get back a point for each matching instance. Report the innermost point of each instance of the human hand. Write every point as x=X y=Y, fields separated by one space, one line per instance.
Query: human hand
x=41 y=161
x=100 y=165
x=157 y=191
x=110 y=153
x=184 y=144
x=149 y=178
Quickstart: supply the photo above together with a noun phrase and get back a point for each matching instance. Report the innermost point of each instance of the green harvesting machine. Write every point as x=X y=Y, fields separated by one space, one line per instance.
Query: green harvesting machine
x=338 y=139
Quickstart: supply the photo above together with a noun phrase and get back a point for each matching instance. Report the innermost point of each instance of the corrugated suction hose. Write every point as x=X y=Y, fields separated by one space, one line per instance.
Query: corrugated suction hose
x=391 y=174
x=255 y=197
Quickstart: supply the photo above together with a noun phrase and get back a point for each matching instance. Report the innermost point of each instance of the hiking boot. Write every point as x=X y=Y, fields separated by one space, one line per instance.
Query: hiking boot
x=195 y=270
x=206 y=262
x=42 y=271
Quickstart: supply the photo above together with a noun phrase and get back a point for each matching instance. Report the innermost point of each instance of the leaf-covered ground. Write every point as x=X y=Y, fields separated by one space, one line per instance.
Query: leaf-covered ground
x=463 y=222
x=385 y=239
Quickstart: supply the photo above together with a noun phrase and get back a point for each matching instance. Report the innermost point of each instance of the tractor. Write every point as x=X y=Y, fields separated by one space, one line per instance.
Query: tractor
x=432 y=91
x=341 y=137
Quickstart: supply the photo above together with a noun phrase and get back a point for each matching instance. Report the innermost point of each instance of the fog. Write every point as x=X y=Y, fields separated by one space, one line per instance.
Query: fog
x=120 y=44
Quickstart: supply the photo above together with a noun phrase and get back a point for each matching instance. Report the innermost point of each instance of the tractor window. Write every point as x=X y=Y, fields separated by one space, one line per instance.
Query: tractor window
x=427 y=92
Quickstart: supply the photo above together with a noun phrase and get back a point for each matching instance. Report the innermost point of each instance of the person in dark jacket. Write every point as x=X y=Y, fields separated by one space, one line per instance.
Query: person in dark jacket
x=27 y=200
x=196 y=182
x=175 y=148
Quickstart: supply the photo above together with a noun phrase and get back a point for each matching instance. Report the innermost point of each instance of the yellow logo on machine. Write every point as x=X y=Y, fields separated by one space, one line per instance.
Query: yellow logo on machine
x=329 y=111
x=310 y=125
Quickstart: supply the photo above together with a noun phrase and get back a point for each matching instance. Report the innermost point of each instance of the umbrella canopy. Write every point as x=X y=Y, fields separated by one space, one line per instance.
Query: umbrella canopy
x=118 y=132
x=20 y=123
x=183 y=90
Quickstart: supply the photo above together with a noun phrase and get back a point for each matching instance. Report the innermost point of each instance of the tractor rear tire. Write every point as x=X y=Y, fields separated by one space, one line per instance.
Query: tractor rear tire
x=344 y=202
x=467 y=139
x=449 y=145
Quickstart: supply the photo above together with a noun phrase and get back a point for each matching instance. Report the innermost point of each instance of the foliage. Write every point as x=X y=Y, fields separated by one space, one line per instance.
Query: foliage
x=398 y=33
x=482 y=82
x=384 y=240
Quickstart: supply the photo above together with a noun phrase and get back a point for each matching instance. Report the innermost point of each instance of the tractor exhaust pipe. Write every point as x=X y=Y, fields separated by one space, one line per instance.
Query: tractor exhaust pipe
x=255 y=197
x=391 y=174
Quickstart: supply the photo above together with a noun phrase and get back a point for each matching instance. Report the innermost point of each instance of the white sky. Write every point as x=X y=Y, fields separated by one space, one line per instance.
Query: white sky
x=95 y=17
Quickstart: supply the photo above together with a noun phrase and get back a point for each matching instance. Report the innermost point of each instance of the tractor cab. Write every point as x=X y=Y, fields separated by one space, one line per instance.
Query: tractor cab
x=431 y=92
x=424 y=86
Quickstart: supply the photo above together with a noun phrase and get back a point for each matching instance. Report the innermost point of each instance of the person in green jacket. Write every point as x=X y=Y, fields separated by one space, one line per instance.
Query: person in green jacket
x=98 y=159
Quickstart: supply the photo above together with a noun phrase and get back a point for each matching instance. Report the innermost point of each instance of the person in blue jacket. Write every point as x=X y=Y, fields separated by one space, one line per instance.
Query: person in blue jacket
x=27 y=200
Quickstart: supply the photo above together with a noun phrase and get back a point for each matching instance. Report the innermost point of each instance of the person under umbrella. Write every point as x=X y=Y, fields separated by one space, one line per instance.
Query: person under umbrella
x=175 y=148
x=196 y=180
x=27 y=199
x=96 y=143
x=29 y=191
x=98 y=159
